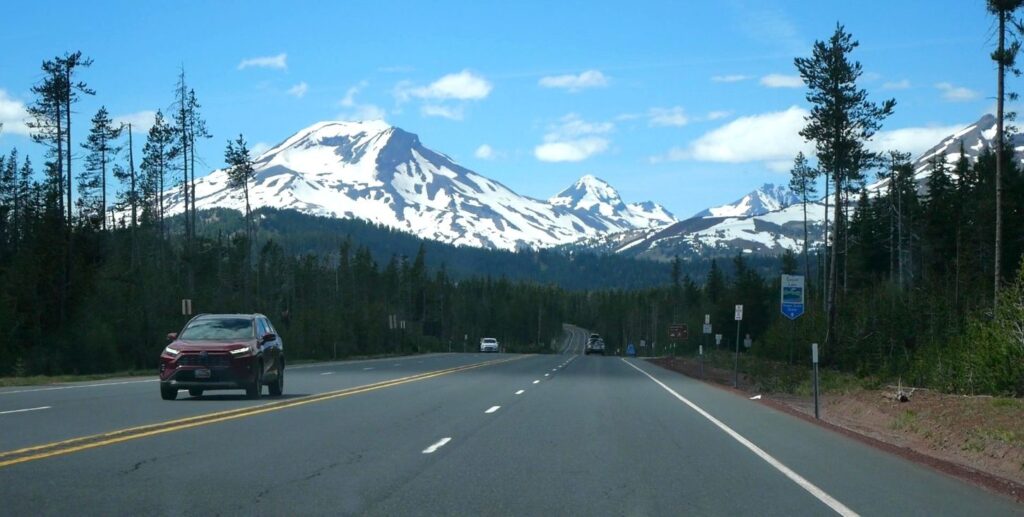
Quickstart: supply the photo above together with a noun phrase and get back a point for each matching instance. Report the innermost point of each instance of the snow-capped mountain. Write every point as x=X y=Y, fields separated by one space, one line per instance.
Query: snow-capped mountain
x=373 y=171
x=766 y=198
x=594 y=200
x=974 y=138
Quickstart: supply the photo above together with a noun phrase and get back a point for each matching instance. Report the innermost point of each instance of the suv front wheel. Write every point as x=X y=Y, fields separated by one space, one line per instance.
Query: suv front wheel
x=168 y=392
x=277 y=387
x=255 y=388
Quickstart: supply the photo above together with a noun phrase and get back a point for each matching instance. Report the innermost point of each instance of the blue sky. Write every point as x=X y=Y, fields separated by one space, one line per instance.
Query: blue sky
x=688 y=104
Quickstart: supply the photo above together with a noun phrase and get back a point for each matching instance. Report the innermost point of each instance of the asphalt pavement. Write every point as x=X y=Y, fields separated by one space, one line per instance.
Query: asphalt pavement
x=450 y=434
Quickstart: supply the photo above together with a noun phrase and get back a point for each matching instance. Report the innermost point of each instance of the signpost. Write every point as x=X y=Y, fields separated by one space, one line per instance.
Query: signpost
x=736 y=361
x=814 y=360
x=792 y=296
x=186 y=307
x=701 y=352
x=792 y=304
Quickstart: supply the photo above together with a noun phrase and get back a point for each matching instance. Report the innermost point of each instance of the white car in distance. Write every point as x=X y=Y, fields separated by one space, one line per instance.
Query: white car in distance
x=488 y=344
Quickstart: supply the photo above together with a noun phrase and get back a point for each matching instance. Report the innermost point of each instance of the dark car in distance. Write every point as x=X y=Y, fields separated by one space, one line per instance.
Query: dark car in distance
x=223 y=352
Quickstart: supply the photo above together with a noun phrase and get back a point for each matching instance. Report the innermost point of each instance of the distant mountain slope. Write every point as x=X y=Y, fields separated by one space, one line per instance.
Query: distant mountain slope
x=766 y=198
x=382 y=174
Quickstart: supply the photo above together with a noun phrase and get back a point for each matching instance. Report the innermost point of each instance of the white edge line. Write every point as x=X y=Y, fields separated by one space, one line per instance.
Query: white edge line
x=520 y=392
x=820 y=494
x=24 y=410
x=492 y=409
x=77 y=386
x=438 y=445
x=327 y=373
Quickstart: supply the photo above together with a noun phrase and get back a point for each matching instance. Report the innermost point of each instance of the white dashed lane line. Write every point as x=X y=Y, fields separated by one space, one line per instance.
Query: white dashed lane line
x=23 y=410
x=536 y=381
x=438 y=445
x=367 y=368
x=492 y=409
x=327 y=373
x=520 y=392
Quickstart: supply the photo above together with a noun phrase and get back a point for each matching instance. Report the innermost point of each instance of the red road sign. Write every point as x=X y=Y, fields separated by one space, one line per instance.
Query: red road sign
x=678 y=331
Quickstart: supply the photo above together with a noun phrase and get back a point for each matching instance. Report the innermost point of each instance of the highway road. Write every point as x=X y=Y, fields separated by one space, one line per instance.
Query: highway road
x=450 y=434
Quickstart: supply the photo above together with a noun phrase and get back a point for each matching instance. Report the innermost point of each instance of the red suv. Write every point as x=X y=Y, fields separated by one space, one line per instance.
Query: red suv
x=223 y=352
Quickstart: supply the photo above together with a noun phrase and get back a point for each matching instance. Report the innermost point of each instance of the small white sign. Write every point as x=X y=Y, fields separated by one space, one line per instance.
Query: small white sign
x=739 y=312
x=707 y=328
x=701 y=348
x=718 y=339
x=814 y=353
x=707 y=319
x=186 y=307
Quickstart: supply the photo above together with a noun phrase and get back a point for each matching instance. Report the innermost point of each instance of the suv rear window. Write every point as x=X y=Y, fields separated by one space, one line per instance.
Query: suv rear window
x=219 y=329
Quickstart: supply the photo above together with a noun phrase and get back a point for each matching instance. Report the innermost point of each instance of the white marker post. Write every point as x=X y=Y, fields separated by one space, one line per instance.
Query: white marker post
x=814 y=360
x=701 y=349
x=736 y=362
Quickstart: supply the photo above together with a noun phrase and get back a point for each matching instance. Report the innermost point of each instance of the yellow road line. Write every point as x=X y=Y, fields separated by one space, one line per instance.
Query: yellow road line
x=132 y=433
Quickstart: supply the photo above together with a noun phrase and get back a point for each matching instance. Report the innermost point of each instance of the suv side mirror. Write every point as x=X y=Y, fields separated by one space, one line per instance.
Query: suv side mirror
x=171 y=336
x=269 y=336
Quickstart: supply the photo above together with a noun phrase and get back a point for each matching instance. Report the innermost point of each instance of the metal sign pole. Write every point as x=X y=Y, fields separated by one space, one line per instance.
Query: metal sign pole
x=701 y=361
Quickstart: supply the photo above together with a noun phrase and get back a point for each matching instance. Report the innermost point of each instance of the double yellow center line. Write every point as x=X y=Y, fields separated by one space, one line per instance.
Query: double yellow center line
x=72 y=445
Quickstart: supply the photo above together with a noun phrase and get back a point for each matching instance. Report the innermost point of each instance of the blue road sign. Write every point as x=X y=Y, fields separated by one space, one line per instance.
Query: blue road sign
x=792 y=296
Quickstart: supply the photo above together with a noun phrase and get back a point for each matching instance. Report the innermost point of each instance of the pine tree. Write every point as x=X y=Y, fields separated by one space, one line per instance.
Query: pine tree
x=801 y=182
x=1005 y=57
x=158 y=155
x=131 y=196
x=240 y=170
x=92 y=186
x=841 y=121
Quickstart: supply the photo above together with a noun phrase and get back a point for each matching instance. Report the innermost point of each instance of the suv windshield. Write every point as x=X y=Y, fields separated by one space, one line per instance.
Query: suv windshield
x=219 y=329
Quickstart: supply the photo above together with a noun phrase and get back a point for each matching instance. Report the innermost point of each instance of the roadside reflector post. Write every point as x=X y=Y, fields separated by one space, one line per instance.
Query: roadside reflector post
x=701 y=350
x=814 y=361
x=736 y=361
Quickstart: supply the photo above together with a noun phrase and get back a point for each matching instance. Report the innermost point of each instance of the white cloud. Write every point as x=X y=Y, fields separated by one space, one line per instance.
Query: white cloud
x=768 y=137
x=573 y=139
x=350 y=95
x=279 y=62
x=674 y=116
x=12 y=115
x=715 y=115
x=731 y=78
x=914 y=140
x=439 y=110
x=896 y=85
x=464 y=85
x=571 y=151
x=257 y=149
x=575 y=83
x=363 y=112
x=484 y=152
x=299 y=90
x=782 y=81
x=141 y=121
x=358 y=111
x=956 y=93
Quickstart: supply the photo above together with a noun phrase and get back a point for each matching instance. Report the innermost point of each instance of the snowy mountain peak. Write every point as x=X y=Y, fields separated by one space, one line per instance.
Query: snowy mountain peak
x=588 y=192
x=598 y=202
x=767 y=198
x=382 y=174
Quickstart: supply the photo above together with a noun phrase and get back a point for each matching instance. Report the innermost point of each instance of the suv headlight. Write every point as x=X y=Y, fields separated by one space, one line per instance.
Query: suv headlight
x=243 y=350
x=171 y=351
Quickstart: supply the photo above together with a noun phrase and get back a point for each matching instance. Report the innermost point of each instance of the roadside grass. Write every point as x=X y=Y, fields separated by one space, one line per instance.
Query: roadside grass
x=905 y=421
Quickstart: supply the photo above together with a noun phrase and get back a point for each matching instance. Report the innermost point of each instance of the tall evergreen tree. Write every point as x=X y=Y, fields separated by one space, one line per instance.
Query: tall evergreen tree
x=158 y=155
x=802 y=183
x=841 y=121
x=103 y=149
x=1005 y=57
x=240 y=171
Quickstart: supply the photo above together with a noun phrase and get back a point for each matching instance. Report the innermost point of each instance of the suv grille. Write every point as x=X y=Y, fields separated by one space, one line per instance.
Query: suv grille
x=209 y=361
